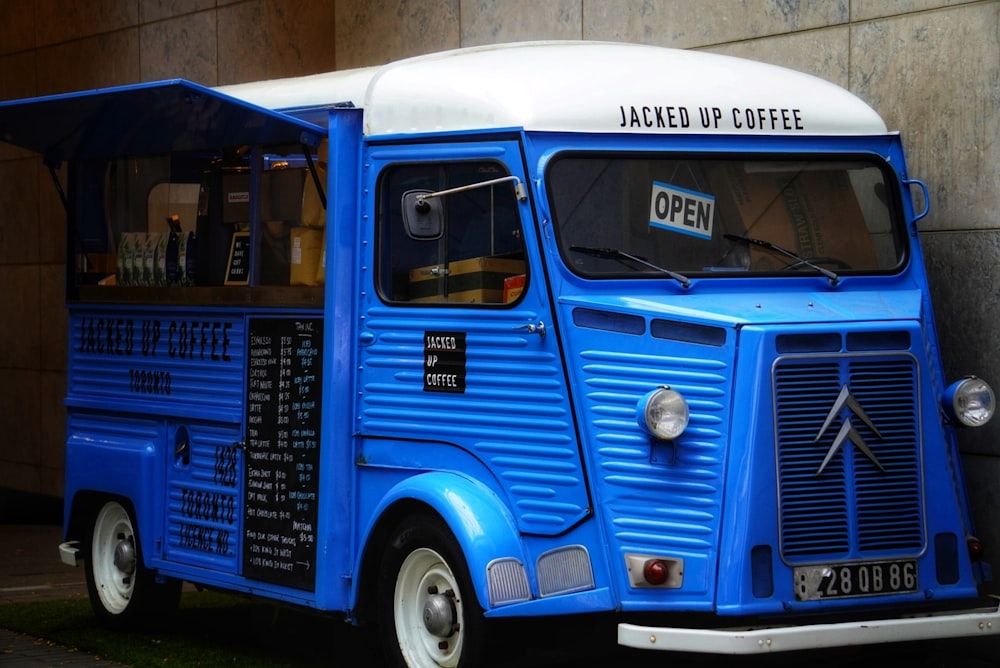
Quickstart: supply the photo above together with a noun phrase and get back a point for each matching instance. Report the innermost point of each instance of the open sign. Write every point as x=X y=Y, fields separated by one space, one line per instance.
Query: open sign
x=681 y=210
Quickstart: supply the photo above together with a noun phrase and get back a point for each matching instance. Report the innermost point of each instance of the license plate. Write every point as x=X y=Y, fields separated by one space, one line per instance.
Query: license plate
x=871 y=578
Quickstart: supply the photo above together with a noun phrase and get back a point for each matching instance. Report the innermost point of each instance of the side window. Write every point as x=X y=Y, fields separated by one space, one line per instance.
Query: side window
x=184 y=220
x=475 y=252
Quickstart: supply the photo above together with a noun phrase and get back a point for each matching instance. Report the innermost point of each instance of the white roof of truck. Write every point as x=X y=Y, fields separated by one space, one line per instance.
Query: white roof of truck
x=577 y=87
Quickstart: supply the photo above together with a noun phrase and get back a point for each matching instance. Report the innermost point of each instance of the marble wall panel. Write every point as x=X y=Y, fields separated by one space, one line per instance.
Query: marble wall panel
x=17 y=26
x=20 y=305
x=52 y=430
x=32 y=457
x=17 y=76
x=53 y=333
x=684 y=24
x=183 y=47
x=157 y=10
x=60 y=21
x=19 y=238
x=823 y=53
x=381 y=31
x=111 y=59
x=270 y=39
x=51 y=482
x=864 y=10
x=22 y=477
x=489 y=22
x=965 y=293
x=935 y=76
x=19 y=394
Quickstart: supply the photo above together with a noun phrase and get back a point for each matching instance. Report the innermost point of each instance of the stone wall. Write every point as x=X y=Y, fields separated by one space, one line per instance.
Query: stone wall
x=930 y=67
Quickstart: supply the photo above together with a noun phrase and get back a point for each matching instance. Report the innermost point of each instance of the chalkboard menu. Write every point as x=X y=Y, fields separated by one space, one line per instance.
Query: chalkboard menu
x=281 y=479
x=238 y=267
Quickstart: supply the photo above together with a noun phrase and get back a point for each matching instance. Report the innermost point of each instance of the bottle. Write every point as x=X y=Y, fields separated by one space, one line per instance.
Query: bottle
x=172 y=273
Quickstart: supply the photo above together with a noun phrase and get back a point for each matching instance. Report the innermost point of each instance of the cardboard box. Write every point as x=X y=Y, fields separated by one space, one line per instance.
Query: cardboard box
x=815 y=214
x=478 y=280
x=513 y=286
x=306 y=250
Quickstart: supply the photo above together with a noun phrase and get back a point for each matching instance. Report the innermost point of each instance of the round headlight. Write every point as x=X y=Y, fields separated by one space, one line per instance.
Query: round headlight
x=664 y=413
x=970 y=401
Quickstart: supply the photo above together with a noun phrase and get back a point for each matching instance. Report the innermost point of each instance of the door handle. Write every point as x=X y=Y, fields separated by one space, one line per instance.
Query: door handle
x=534 y=329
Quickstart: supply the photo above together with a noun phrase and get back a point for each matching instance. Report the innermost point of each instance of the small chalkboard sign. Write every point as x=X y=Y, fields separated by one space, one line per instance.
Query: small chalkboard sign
x=238 y=267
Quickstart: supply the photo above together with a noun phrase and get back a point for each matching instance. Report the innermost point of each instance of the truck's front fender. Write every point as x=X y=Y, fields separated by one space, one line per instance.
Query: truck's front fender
x=477 y=517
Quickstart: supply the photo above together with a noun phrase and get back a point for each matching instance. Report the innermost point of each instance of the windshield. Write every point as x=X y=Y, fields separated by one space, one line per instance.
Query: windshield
x=637 y=217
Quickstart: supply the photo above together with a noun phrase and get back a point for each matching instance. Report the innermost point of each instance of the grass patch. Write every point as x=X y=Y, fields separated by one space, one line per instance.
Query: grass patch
x=208 y=629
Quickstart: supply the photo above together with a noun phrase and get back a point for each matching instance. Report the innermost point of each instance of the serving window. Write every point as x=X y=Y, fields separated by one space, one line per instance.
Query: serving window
x=173 y=170
x=197 y=226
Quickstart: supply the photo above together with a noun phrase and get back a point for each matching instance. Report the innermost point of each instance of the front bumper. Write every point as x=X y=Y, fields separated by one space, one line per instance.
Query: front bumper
x=753 y=640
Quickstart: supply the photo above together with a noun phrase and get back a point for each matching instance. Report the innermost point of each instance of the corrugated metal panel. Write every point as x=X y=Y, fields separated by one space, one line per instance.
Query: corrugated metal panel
x=181 y=364
x=184 y=375
x=203 y=509
x=513 y=413
x=659 y=495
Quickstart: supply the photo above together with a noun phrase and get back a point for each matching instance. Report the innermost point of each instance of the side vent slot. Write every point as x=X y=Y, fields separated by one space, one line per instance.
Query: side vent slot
x=688 y=332
x=611 y=322
x=808 y=343
x=859 y=341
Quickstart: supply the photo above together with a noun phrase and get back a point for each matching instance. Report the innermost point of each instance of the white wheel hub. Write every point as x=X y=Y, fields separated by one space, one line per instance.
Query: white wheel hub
x=439 y=613
x=113 y=558
x=125 y=556
x=427 y=607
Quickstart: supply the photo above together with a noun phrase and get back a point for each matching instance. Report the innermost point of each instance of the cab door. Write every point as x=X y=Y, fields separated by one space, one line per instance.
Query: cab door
x=460 y=362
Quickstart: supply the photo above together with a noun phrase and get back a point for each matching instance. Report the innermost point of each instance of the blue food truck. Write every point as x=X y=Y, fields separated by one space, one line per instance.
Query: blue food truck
x=518 y=331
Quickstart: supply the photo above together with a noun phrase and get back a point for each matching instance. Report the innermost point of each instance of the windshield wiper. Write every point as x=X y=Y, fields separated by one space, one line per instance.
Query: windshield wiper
x=831 y=276
x=621 y=255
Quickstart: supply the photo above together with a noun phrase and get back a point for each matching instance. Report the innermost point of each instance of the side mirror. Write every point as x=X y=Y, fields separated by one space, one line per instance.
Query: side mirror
x=422 y=215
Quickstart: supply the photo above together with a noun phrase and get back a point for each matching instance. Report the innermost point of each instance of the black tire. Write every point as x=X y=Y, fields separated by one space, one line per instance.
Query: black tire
x=427 y=611
x=124 y=594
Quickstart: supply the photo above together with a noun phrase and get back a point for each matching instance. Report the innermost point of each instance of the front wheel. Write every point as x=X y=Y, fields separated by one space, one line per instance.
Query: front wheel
x=427 y=609
x=123 y=592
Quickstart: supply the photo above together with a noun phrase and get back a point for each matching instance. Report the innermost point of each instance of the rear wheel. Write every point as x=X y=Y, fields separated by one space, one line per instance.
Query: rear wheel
x=428 y=613
x=123 y=592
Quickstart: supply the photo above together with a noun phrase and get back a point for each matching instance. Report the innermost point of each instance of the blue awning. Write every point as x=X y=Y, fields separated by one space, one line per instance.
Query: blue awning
x=145 y=119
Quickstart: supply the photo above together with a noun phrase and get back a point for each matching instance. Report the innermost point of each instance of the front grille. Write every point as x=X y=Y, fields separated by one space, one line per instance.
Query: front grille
x=849 y=508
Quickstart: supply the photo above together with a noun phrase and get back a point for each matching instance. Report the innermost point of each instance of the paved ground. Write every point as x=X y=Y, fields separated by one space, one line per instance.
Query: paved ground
x=30 y=570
